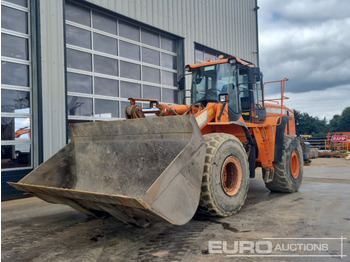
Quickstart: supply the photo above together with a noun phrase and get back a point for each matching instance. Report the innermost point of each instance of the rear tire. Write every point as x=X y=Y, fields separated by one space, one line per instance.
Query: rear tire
x=226 y=176
x=288 y=174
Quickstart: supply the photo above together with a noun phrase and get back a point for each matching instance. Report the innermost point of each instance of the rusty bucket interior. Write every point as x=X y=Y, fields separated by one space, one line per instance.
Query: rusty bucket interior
x=139 y=171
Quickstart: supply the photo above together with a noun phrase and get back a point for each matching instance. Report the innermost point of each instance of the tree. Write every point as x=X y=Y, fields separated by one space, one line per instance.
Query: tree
x=340 y=122
x=334 y=123
x=309 y=125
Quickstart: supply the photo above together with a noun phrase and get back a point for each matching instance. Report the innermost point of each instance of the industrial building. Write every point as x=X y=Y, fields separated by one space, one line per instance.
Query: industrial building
x=74 y=61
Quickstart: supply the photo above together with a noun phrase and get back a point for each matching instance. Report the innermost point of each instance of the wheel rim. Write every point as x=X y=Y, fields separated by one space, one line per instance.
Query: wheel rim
x=295 y=164
x=231 y=176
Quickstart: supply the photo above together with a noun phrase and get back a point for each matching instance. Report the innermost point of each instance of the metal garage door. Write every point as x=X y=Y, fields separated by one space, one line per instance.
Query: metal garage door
x=16 y=94
x=202 y=53
x=110 y=59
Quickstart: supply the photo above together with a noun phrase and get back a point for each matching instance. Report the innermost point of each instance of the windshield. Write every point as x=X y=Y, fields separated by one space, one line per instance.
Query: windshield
x=210 y=81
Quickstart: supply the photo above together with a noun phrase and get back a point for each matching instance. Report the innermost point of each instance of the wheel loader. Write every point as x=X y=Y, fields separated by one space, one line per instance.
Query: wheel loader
x=167 y=162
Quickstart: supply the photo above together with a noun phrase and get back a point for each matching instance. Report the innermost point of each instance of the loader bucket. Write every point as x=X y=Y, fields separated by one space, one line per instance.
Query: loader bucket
x=139 y=171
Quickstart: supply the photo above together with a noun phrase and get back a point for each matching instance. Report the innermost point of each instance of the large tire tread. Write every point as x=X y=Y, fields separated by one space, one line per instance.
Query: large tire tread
x=207 y=205
x=282 y=180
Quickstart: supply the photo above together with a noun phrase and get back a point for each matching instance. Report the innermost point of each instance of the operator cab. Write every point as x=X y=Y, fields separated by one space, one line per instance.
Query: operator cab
x=242 y=82
x=251 y=94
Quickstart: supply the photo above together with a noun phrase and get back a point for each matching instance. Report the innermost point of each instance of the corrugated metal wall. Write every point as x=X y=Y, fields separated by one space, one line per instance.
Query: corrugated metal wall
x=225 y=25
x=52 y=76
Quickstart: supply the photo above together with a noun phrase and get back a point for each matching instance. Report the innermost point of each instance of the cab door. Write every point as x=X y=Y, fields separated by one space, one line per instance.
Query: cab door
x=245 y=94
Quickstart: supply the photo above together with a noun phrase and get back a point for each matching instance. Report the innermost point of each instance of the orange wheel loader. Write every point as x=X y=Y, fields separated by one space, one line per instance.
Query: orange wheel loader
x=167 y=162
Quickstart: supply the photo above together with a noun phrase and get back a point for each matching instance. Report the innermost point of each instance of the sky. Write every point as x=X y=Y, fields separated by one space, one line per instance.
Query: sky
x=308 y=42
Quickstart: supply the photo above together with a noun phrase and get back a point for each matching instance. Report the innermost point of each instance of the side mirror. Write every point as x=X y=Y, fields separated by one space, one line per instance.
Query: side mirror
x=254 y=74
x=181 y=83
x=224 y=98
x=258 y=76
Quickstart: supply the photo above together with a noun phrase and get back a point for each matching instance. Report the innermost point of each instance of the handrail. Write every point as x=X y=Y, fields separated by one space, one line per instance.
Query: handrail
x=283 y=97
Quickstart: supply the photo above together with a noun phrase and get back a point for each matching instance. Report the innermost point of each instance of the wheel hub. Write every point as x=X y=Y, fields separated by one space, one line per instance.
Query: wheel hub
x=295 y=164
x=231 y=176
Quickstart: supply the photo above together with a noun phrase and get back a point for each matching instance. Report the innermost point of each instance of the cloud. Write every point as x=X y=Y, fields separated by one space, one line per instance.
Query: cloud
x=308 y=11
x=307 y=42
x=317 y=103
x=321 y=103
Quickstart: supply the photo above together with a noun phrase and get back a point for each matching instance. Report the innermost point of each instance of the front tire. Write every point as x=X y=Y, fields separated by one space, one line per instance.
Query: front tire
x=288 y=174
x=226 y=176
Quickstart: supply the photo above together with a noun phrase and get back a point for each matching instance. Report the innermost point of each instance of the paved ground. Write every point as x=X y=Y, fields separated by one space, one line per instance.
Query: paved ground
x=33 y=230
